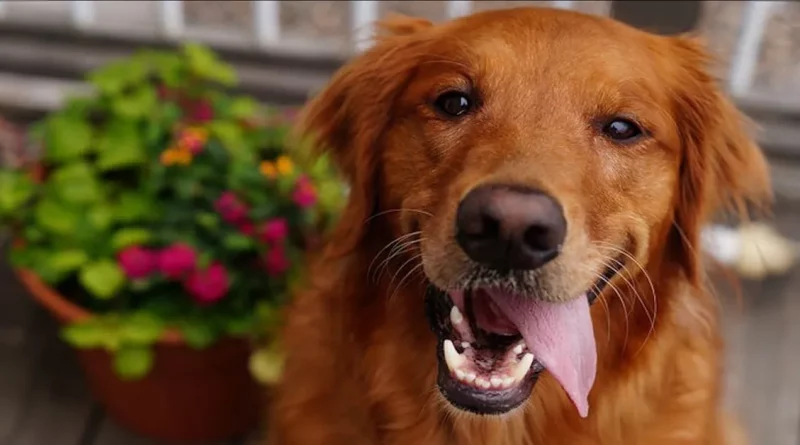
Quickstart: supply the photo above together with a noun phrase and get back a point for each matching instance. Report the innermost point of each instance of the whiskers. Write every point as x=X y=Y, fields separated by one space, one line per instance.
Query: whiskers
x=406 y=245
x=619 y=259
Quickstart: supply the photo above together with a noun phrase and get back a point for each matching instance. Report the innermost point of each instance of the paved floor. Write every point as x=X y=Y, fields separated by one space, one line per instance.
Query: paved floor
x=43 y=399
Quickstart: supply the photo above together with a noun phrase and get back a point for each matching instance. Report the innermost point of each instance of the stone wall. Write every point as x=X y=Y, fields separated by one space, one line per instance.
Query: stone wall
x=779 y=64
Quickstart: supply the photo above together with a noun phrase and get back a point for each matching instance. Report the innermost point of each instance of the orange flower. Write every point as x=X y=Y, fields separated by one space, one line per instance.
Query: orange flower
x=193 y=139
x=268 y=169
x=284 y=165
x=176 y=156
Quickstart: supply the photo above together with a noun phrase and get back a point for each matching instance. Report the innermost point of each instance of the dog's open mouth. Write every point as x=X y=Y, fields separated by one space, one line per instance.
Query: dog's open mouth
x=493 y=345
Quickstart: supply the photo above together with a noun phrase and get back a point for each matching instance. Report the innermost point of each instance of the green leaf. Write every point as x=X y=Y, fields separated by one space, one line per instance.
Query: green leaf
x=67 y=137
x=130 y=237
x=90 y=334
x=66 y=261
x=103 y=278
x=197 y=334
x=204 y=63
x=243 y=107
x=140 y=328
x=120 y=146
x=16 y=188
x=137 y=104
x=134 y=206
x=100 y=217
x=55 y=217
x=208 y=220
x=266 y=365
x=230 y=135
x=237 y=242
x=115 y=77
x=76 y=183
x=133 y=362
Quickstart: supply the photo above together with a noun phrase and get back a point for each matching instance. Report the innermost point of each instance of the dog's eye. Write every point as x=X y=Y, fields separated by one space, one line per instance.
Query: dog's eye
x=621 y=130
x=454 y=103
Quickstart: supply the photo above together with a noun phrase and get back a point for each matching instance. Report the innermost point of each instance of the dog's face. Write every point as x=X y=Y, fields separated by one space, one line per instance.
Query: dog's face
x=533 y=154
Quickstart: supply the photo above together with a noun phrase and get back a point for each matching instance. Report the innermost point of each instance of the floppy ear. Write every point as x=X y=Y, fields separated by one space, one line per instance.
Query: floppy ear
x=347 y=119
x=722 y=167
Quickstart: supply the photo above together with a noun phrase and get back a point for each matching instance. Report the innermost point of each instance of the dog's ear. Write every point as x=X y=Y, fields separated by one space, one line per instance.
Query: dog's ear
x=349 y=116
x=722 y=167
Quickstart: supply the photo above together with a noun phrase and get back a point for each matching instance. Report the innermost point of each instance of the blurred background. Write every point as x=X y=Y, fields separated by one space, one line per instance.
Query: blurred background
x=284 y=51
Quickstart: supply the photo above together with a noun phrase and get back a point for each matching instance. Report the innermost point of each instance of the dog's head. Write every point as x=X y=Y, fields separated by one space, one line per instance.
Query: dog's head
x=528 y=156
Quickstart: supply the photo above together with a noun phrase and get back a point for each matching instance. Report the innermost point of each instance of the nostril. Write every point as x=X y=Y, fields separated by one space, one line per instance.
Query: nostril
x=490 y=227
x=538 y=238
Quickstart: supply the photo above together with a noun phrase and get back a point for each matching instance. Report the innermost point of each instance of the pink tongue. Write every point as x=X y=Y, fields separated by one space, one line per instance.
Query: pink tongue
x=560 y=336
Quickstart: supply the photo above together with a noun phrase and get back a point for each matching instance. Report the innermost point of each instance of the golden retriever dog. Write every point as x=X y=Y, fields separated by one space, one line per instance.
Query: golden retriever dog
x=518 y=262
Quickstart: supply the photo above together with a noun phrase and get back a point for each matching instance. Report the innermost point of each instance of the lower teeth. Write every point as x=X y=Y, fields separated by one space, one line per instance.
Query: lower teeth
x=458 y=365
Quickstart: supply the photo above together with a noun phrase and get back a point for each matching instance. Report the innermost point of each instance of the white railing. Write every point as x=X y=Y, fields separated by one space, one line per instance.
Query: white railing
x=267 y=31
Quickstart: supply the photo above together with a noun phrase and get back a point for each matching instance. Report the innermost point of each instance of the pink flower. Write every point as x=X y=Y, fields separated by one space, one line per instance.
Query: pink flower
x=208 y=286
x=202 y=111
x=276 y=261
x=274 y=230
x=247 y=228
x=304 y=194
x=137 y=262
x=177 y=260
x=232 y=210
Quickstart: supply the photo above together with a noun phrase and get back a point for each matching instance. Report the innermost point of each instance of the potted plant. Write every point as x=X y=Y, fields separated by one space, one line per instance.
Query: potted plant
x=164 y=226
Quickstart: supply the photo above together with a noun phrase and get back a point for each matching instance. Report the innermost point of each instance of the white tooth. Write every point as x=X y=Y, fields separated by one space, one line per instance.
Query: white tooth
x=522 y=367
x=508 y=381
x=518 y=349
x=496 y=382
x=451 y=356
x=469 y=377
x=483 y=383
x=455 y=316
x=460 y=375
x=465 y=345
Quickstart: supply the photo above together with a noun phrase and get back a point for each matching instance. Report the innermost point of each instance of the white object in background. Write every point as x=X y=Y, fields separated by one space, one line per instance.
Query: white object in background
x=172 y=23
x=82 y=13
x=564 y=4
x=754 y=250
x=364 y=14
x=745 y=58
x=458 y=8
x=267 y=14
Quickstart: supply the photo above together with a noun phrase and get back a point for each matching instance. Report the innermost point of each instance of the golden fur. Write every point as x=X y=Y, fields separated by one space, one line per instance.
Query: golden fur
x=361 y=366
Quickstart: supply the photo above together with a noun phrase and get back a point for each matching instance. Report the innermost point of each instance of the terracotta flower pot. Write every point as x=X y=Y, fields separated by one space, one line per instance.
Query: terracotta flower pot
x=189 y=395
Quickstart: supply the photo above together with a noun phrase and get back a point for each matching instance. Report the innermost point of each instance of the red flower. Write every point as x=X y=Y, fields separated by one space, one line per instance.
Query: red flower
x=304 y=194
x=247 y=228
x=137 y=262
x=274 y=230
x=232 y=210
x=202 y=111
x=208 y=286
x=276 y=261
x=177 y=260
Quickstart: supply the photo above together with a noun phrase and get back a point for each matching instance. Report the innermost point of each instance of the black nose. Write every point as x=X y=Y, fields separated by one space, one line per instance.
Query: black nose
x=510 y=228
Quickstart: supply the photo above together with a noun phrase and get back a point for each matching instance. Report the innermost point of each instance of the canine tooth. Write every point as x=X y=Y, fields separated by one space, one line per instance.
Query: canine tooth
x=460 y=375
x=522 y=367
x=483 y=383
x=518 y=349
x=465 y=344
x=469 y=377
x=451 y=356
x=496 y=382
x=455 y=316
x=508 y=381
